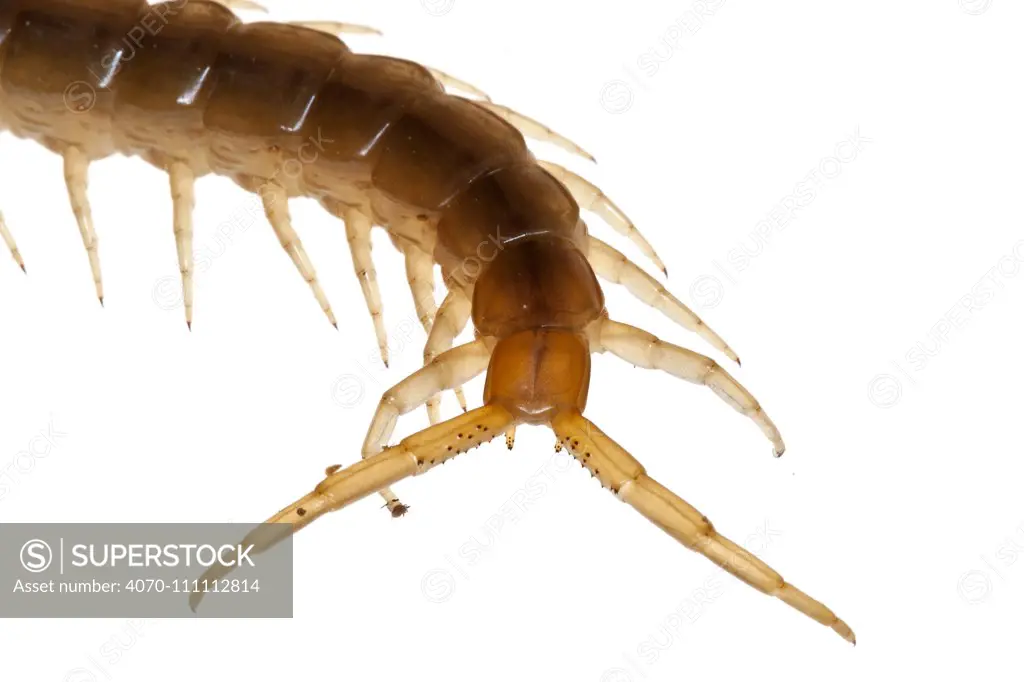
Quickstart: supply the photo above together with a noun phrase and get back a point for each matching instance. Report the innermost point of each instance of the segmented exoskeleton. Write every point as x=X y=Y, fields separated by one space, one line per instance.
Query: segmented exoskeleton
x=288 y=110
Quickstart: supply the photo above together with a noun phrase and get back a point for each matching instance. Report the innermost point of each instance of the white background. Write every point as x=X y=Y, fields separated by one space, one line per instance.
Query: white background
x=881 y=328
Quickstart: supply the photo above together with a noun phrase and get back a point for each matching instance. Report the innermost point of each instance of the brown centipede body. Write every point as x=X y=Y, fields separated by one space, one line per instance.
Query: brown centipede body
x=288 y=110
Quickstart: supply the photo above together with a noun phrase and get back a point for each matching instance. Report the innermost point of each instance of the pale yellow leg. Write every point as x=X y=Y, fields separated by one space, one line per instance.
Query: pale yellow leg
x=337 y=27
x=448 y=370
x=450 y=82
x=413 y=456
x=184 y=200
x=275 y=204
x=357 y=228
x=611 y=265
x=646 y=350
x=419 y=270
x=8 y=238
x=76 y=176
x=535 y=129
x=452 y=317
x=591 y=198
x=618 y=470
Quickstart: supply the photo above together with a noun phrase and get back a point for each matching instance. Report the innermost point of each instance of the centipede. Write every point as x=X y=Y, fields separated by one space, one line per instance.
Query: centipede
x=288 y=110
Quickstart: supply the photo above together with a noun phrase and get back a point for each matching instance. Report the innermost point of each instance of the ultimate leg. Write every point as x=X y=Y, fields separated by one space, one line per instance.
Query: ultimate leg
x=415 y=455
x=626 y=477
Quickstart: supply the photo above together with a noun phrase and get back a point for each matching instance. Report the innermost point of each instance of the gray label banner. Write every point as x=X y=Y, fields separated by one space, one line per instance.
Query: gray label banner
x=143 y=570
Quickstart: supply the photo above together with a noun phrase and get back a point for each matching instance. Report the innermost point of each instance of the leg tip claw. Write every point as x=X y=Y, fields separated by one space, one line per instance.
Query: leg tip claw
x=399 y=510
x=844 y=631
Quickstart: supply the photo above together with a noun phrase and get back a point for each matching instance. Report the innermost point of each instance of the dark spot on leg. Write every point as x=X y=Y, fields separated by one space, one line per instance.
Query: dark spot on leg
x=300 y=511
